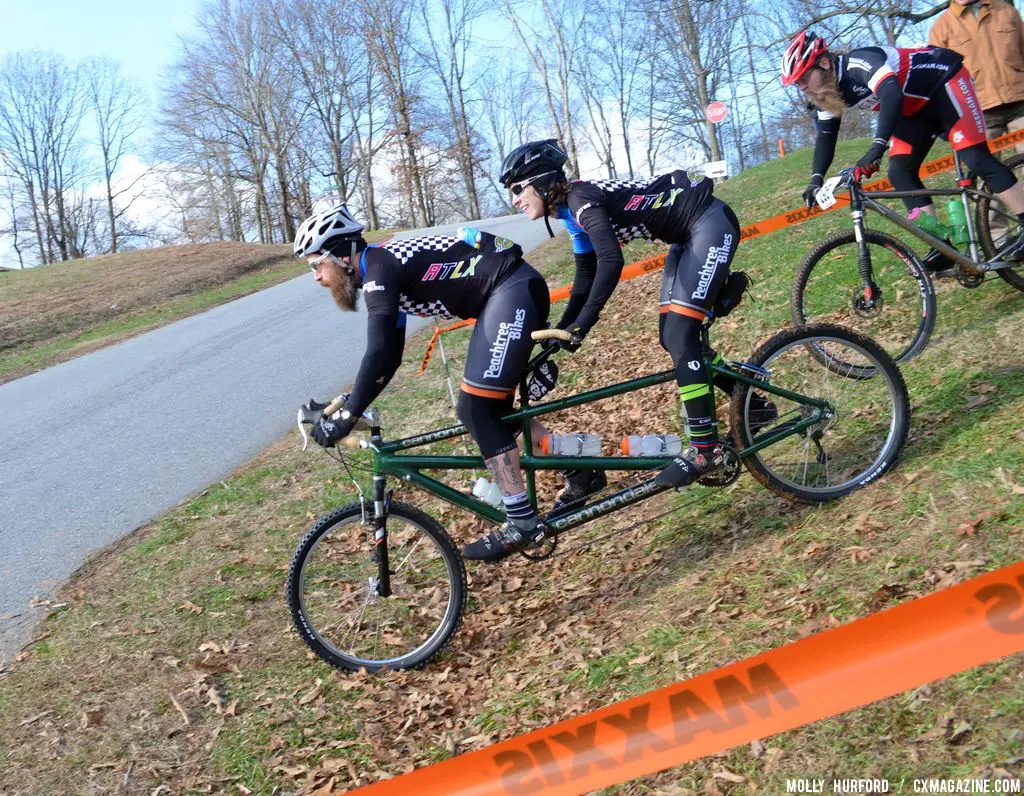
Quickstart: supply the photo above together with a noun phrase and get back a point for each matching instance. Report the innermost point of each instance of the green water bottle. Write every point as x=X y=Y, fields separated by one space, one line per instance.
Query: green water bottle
x=957 y=221
x=929 y=223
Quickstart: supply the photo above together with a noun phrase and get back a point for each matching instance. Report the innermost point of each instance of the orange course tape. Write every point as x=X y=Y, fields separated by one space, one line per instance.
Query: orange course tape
x=905 y=647
x=763 y=227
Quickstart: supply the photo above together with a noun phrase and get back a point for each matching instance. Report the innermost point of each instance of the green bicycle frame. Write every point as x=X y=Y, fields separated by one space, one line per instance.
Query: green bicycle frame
x=387 y=459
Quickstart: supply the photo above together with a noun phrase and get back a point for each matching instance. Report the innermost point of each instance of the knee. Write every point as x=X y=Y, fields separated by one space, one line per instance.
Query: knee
x=482 y=417
x=997 y=177
x=681 y=338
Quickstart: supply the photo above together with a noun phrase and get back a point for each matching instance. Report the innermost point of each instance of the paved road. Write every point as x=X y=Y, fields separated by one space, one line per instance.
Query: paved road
x=94 y=448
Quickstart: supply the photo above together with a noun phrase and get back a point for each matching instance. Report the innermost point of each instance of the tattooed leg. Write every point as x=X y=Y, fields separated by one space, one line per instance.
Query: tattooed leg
x=504 y=469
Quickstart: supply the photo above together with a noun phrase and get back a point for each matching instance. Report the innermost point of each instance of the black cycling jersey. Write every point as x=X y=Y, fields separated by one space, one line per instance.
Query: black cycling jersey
x=894 y=81
x=432 y=275
x=602 y=215
x=436 y=275
x=920 y=72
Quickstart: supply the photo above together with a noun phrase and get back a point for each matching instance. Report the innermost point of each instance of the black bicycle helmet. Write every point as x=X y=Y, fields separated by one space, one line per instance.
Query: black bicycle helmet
x=532 y=158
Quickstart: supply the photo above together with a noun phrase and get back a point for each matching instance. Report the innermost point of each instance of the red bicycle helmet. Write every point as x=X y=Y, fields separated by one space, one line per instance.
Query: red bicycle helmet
x=801 y=55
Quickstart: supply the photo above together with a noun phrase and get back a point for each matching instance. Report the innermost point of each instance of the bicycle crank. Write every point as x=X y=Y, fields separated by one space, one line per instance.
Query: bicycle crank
x=969 y=277
x=728 y=474
x=545 y=548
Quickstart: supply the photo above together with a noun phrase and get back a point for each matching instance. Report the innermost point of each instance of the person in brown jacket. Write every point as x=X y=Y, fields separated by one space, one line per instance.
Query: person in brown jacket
x=990 y=36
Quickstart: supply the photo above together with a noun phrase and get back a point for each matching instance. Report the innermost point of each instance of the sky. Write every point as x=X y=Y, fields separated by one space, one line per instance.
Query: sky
x=141 y=34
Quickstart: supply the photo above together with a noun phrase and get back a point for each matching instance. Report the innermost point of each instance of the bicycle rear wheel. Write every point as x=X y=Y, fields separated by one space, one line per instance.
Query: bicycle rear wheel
x=828 y=288
x=850 y=447
x=993 y=214
x=333 y=591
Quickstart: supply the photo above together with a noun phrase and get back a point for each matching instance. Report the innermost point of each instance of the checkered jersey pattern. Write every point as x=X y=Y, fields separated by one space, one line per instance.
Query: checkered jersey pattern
x=405 y=249
x=626 y=234
x=424 y=309
x=618 y=185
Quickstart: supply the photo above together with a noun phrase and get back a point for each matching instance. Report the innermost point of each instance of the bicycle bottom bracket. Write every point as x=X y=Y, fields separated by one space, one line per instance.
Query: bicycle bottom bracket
x=541 y=550
x=969 y=278
x=729 y=471
x=868 y=301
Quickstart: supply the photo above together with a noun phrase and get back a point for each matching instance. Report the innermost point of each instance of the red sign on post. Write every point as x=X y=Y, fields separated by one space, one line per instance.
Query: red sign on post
x=716 y=112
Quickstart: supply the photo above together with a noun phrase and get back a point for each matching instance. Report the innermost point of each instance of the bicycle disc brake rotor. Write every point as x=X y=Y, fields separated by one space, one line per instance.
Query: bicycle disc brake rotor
x=865 y=305
x=729 y=472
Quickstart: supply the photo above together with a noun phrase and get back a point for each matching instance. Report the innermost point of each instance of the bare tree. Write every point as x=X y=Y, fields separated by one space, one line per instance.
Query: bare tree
x=446 y=56
x=118 y=106
x=697 y=35
x=41 y=110
x=553 y=51
x=386 y=31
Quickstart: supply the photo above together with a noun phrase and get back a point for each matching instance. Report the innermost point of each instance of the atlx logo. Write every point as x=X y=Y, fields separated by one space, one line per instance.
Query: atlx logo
x=457 y=270
x=652 y=201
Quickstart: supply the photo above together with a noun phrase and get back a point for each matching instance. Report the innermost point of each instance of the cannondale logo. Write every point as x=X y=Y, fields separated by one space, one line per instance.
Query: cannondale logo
x=693 y=364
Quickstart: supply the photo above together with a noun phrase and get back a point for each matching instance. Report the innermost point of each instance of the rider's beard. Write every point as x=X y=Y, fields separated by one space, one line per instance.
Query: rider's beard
x=827 y=97
x=346 y=292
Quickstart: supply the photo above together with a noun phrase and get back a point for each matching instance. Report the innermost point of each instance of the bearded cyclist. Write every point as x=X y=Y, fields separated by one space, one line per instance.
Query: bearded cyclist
x=601 y=215
x=919 y=93
x=471 y=275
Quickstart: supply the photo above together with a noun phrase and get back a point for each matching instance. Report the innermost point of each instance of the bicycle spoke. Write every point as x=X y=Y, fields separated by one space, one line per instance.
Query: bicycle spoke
x=375 y=629
x=848 y=438
x=895 y=312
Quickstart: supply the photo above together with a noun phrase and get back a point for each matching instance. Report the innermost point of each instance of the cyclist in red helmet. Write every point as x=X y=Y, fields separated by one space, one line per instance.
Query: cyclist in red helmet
x=919 y=93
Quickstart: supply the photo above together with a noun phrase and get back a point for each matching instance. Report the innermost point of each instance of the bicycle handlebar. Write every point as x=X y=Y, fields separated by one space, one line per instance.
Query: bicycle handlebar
x=550 y=334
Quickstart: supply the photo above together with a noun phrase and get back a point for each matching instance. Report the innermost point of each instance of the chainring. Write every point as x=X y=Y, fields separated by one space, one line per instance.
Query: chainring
x=968 y=279
x=729 y=472
x=541 y=550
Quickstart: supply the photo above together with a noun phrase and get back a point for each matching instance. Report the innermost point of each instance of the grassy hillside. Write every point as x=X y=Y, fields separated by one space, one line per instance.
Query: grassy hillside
x=60 y=311
x=170 y=660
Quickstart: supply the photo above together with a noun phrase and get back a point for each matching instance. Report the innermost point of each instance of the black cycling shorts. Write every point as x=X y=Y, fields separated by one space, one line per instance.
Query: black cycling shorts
x=500 y=347
x=695 y=270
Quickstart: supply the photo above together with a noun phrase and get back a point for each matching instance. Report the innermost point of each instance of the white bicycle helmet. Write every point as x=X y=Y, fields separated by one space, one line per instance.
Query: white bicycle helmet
x=320 y=231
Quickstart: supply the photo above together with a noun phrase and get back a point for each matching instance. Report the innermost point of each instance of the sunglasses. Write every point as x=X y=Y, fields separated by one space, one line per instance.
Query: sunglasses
x=314 y=266
x=518 y=187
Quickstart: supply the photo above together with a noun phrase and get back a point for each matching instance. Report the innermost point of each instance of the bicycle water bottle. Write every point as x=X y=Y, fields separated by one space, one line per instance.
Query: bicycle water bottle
x=651 y=445
x=957 y=221
x=930 y=223
x=571 y=444
x=488 y=491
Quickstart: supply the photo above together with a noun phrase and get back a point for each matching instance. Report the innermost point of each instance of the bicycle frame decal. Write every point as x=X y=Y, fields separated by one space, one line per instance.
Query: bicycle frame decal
x=886 y=653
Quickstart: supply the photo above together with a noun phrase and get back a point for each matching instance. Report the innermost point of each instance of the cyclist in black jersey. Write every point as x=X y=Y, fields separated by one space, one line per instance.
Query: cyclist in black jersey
x=602 y=215
x=919 y=93
x=472 y=274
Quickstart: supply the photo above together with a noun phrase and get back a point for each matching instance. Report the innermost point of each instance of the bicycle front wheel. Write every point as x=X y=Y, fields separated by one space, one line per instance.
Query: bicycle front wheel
x=334 y=591
x=998 y=225
x=856 y=440
x=828 y=288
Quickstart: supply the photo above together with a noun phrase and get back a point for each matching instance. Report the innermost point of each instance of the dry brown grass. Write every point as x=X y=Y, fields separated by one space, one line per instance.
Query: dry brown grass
x=42 y=303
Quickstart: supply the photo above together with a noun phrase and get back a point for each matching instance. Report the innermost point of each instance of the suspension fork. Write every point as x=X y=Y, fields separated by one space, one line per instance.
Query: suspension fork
x=863 y=254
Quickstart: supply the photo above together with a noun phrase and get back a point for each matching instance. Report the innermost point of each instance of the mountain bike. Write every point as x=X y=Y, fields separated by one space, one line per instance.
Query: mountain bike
x=380 y=583
x=875 y=284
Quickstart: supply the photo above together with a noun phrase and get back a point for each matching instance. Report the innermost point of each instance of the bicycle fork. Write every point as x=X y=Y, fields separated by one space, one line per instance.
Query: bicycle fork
x=871 y=292
x=381 y=504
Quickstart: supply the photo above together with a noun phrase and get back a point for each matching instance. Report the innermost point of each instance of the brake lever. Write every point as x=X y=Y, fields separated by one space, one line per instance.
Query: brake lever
x=308 y=413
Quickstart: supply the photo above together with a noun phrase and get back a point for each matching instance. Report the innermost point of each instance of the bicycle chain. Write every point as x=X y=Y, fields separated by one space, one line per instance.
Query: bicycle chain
x=628 y=529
